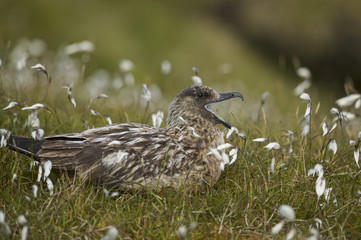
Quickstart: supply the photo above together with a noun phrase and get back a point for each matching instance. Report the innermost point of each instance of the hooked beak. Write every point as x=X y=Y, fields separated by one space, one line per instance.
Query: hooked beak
x=222 y=97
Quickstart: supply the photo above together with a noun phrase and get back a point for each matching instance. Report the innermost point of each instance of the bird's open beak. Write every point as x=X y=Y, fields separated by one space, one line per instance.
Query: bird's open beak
x=222 y=97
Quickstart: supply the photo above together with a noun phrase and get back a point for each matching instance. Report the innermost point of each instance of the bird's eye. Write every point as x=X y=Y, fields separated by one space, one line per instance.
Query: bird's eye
x=200 y=95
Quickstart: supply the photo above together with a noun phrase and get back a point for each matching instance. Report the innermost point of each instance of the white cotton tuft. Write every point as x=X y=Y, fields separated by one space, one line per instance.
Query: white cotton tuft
x=333 y=127
x=318 y=222
x=157 y=119
x=24 y=233
x=197 y=81
x=39 y=67
x=83 y=46
x=5 y=134
x=72 y=100
x=356 y=155
x=182 y=231
x=233 y=154
x=290 y=235
x=308 y=110
x=259 y=140
x=192 y=226
x=306 y=97
x=242 y=135
x=327 y=193
x=106 y=192
x=348 y=100
x=332 y=146
x=277 y=228
x=305 y=130
x=50 y=186
x=272 y=145
x=287 y=212
x=347 y=116
x=21 y=220
x=126 y=65
x=304 y=73
x=2 y=217
x=320 y=186
x=315 y=234
x=34 y=107
x=215 y=152
x=264 y=96
x=114 y=194
x=37 y=133
x=94 y=113
x=334 y=111
x=35 y=190
x=111 y=234
x=224 y=146
x=166 y=67
x=11 y=105
x=147 y=95
x=4 y=227
x=32 y=120
x=40 y=173
x=47 y=168
x=230 y=131
x=324 y=129
x=358 y=103
x=109 y=120
x=272 y=167
x=319 y=170
x=301 y=87
x=225 y=158
x=311 y=172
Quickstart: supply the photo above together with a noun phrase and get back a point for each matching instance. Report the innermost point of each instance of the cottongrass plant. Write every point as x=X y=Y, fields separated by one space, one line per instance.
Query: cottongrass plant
x=264 y=186
x=4 y=227
x=357 y=148
x=157 y=119
x=305 y=74
x=196 y=79
x=166 y=67
x=24 y=224
x=111 y=234
x=286 y=212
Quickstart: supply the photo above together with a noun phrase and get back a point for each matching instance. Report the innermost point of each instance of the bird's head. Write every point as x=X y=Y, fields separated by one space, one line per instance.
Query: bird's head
x=192 y=106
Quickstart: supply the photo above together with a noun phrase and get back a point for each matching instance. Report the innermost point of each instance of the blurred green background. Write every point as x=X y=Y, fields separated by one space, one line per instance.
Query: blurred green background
x=261 y=41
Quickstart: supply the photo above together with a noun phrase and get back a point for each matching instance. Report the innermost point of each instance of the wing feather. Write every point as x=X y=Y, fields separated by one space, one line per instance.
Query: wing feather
x=122 y=153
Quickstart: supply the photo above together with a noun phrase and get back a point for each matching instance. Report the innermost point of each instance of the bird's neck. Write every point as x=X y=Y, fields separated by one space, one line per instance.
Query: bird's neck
x=199 y=130
x=193 y=119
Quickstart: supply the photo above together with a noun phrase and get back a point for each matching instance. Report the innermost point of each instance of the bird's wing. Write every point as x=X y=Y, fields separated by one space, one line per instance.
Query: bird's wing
x=69 y=150
x=120 y=153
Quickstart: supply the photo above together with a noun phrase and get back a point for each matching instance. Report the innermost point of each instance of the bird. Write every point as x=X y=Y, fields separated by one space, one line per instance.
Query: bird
x=134 y=155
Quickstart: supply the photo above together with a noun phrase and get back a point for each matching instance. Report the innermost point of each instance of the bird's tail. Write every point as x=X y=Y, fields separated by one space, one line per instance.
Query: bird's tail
x=27 y=146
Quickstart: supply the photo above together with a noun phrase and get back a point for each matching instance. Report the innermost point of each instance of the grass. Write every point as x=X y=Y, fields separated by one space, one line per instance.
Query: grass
x=243 y=204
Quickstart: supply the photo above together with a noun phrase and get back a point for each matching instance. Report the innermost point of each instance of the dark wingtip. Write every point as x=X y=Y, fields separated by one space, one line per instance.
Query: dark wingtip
x=23 y=145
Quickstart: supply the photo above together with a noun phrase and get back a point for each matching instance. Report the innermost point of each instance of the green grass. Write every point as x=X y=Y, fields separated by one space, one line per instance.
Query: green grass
x=244 y=202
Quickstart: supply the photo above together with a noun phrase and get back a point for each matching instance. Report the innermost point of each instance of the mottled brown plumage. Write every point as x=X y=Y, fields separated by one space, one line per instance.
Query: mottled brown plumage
x=129 y=155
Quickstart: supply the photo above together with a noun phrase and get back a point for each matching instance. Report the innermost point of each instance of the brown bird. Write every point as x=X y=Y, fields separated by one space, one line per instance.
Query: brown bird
x=132 y=155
